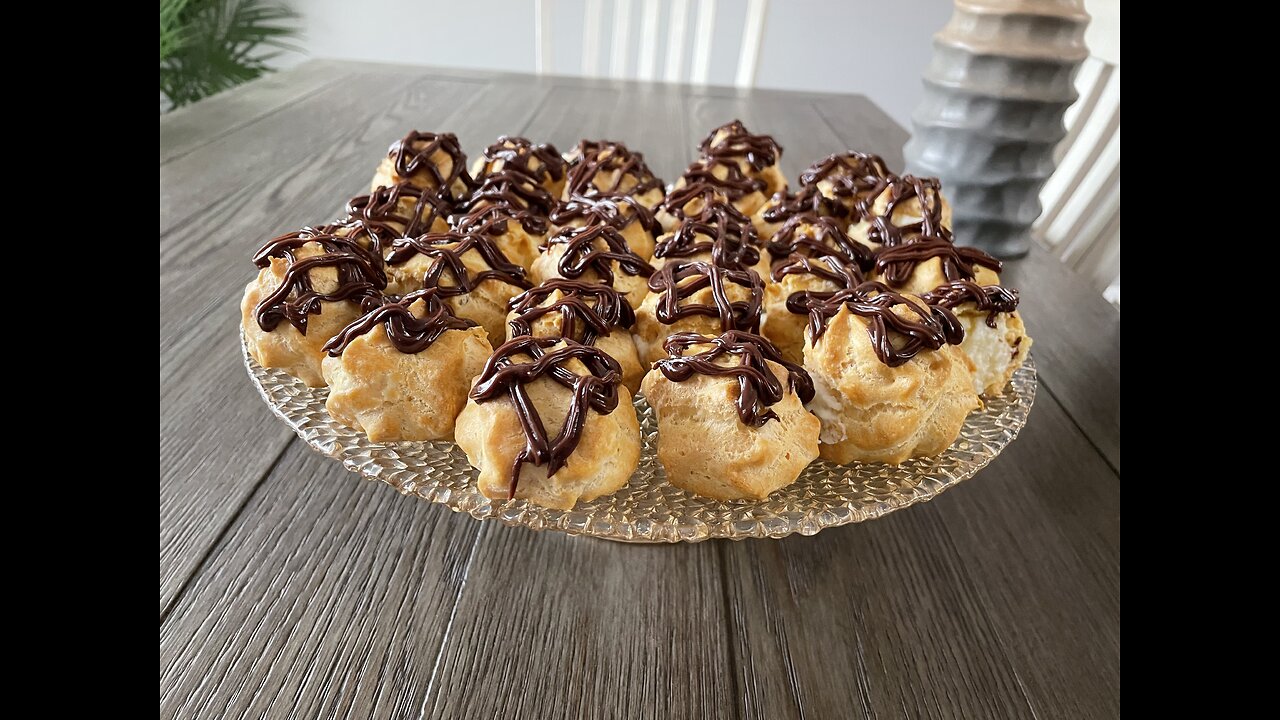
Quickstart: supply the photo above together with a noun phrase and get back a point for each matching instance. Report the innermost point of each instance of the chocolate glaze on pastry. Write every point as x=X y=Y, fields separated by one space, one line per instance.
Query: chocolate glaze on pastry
x=600 y=208
x=826 y=267
x=408 y=333
x=991 y=299
x=449 y=259
x=791 y=239
x=587 y=310
x=927 y=191
x=512 y=188
x=758 y=387
x=856 y=178
x=505 y=374
x=734 y=185
x=895 y=338
x=732 y=244
x=760 y=151
x=595 y=156
x=359 y=274
x=581 y=253
x=516 y=153
x=409 y=158
x=895 y=263
x=783 y=205
x=378 y=217
x=492 y=219
x=676 y=282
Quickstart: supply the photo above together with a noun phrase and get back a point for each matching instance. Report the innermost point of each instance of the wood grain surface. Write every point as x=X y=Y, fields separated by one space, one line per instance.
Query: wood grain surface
x=290 y=588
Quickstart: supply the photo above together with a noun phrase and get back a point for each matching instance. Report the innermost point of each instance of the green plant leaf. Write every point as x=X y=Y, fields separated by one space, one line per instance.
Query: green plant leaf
x=207 y=46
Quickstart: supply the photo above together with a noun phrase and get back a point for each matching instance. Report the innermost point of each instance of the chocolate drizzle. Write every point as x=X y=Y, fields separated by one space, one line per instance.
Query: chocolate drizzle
x=895 y=263
x=732 y=244
x=491 y=220
x=582 y=253
x=760 y=151
x=407 y=332
x=927 y=191
x=512 y=188
x=587 y=310
x=446 y=249
x=614 y=209
x=359 y=274
x=517 y=153
x=735 y=184
x=678 y=282
x=505 y=373
x=827 y=267
x=593 y=157
x=895 y=338
x=379 y=218
x=412 y=154
x=991 y=299
x=783 y=206
x=758 y=387
x=814 y=235
x=856 y=178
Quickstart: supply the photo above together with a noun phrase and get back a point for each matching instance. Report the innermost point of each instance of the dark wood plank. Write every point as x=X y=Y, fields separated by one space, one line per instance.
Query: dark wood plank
x=1077 y=346
x=329 y=597
x=301 y=165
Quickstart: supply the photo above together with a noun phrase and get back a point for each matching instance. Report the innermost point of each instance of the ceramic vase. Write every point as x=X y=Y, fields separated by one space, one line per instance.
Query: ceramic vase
x=1002 y=75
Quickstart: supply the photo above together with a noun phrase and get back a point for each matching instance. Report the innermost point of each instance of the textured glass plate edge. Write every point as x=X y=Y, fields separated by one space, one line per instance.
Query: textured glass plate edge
x=650 y=510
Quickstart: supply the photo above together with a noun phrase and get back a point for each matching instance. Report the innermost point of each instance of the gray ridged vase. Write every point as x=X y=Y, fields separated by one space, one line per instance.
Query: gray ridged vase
x=1002 y=75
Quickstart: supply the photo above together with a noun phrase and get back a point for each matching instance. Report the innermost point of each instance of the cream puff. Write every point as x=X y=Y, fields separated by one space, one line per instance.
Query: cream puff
x=611 y=168
x=731 y=420
x=475 y=279
x=402 y=210
x=542 y=163
x=310 y=286
x=890 y=382
x=598 y=253
x=548 y=421
x=622 y=212
x=995 y=338
x=696 y=297
x=426 y=160
x=402 y=371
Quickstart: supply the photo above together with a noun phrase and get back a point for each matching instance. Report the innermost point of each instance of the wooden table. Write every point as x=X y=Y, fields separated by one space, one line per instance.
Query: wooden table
x=288 y=587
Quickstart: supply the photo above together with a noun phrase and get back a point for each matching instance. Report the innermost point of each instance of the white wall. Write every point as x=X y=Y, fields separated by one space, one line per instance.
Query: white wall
x=874 y=47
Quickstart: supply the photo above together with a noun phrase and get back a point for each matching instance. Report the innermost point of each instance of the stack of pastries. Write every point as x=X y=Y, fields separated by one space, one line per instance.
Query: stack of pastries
x=516 y=307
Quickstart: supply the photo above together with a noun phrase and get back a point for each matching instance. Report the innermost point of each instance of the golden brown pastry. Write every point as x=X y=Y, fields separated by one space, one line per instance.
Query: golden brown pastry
x=696 y=297
x=374 y=220
x=430 y=161
x=853 y=180
x=595 y=254
x=783 y=206
x=309 y=287
x=510 y=209
x=475 y=279
x=905 y=206
x=586 y=312
x=995 y=339
x=731 y=423
x=921 y=263
x=755 y=156
x=794 y=283
x=705 y=181
x=611 y=168
x=725 y=238
x=542 y=163
x=548 y=421
x=815 y=236
x=890 y=382
x=402 y=371
x=622 y=212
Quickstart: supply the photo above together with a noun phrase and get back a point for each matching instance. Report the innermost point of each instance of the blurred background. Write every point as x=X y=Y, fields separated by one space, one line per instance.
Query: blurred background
x=871 y=47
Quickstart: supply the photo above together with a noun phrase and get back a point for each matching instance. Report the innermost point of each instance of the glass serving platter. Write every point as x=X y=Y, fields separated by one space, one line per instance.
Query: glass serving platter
x=649 y=509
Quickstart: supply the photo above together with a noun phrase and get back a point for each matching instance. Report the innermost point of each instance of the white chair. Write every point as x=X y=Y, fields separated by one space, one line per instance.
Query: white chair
x=1081 y=218
x=645 y=36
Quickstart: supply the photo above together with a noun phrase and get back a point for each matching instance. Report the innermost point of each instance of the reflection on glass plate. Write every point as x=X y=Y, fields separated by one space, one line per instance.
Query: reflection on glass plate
x=649 y=509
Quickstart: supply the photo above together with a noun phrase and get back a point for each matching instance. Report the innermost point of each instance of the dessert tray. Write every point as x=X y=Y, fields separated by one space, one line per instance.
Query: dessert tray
x=649 y=509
